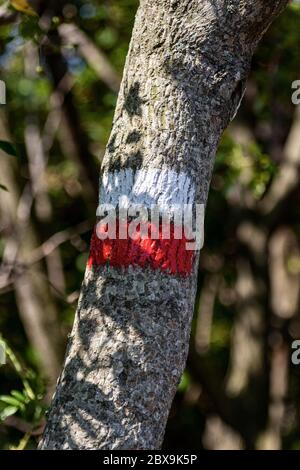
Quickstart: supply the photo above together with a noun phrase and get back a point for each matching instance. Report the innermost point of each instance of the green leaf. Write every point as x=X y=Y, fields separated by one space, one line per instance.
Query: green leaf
x=8 y=148
x=8 y=411
x=19 y=396
x=184 y=382
x=9 y=400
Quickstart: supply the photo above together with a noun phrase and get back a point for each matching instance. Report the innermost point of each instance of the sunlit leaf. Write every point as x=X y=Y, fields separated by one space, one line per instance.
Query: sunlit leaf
x=8 y=411
x=19 y=396
x=23 y=6
x=9 y=400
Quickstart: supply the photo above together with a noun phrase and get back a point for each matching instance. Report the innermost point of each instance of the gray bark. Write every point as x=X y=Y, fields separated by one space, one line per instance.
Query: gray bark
x=184 y=77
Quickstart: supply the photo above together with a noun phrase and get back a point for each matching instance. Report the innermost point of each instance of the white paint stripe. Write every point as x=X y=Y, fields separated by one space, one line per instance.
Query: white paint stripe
x=148 y=187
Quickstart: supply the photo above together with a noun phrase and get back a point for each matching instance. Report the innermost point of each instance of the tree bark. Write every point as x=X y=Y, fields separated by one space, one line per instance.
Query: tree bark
x=184 y=77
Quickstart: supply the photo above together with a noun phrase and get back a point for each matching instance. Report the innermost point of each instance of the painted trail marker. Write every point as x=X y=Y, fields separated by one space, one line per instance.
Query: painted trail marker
x=163 y=188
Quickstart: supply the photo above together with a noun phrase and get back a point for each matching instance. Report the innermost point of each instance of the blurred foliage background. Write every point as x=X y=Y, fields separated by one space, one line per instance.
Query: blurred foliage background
x=240 y=389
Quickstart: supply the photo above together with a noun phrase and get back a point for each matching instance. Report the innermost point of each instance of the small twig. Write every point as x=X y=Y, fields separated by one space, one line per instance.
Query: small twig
x=57 y=239
x=71 y=34
x=7 y=268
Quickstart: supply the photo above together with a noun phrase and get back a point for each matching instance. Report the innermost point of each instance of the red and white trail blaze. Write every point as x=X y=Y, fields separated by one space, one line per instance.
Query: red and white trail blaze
x=160 y=187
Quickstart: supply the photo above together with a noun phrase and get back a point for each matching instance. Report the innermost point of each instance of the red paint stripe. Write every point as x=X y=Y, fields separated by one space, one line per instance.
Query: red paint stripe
x=167 y=255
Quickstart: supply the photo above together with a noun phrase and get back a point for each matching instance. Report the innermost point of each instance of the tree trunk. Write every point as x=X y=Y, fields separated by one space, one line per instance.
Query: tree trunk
x=184 y=78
